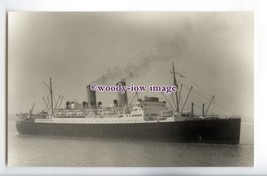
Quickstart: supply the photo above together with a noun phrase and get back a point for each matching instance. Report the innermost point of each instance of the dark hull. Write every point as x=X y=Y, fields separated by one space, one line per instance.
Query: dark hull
x=218 y=131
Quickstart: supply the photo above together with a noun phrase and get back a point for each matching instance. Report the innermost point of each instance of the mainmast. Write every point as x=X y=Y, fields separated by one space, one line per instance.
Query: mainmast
x=175 y=83
x=51 y=93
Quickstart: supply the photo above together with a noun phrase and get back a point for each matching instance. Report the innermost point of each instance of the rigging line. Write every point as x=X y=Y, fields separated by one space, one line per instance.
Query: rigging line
x=47 y=107
x=46 y=85
x=200 y=95
x=198 y=107
x=197 y=93
x=167 y=101
x=137 y=96
x=173 y=100
x=218 y=103
x=181 y=101
x=192 y=82
x=209 y=105
x=48 y=101
x=200 y=88
x=61 y=101
x=130 y=98
x=57 y=101
x=183 y=84
x=214 y=103
x=197 y=110
x=131 y=101
x=186 y=98
x=54 y=98
x=56 y=93
x=212 y=107
x=133 y=98
x=223 y=108
x=180 y=94
x=207 y=98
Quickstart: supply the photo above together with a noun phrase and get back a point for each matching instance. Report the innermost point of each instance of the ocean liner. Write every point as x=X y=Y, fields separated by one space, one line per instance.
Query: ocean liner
x=147 y=119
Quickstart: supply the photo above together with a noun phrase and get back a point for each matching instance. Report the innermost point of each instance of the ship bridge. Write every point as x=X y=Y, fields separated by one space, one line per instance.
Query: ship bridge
x=152 y=108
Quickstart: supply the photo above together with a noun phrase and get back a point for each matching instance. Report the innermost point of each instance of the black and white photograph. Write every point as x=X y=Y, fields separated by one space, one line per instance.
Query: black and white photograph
x=130 y=89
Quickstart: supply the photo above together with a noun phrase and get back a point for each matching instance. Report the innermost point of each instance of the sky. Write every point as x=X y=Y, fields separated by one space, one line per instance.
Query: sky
x=213 y=50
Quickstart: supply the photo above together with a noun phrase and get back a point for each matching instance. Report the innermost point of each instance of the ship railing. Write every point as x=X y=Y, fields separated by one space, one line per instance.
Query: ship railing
x=233 y=116
x=102 y=111
x=226 y=116
x=217 y=116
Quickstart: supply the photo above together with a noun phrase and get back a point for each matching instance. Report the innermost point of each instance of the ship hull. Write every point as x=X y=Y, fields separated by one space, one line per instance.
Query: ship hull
x=218 y=131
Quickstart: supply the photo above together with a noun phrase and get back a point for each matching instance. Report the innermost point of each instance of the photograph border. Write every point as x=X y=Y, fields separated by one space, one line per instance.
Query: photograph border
x=260 y=153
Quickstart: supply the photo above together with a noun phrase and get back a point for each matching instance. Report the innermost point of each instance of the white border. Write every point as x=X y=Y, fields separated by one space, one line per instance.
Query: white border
x=260 y=70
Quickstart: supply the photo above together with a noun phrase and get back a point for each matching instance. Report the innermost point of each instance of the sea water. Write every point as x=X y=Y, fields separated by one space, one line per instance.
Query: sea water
x=45 y=151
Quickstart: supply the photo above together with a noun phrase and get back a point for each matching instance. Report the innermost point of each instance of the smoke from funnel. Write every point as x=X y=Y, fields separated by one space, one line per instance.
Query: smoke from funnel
x=174 y=48
x=132 y=70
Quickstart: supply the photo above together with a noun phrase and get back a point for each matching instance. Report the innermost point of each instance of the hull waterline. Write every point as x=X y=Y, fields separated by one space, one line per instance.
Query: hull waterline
x=218 y=131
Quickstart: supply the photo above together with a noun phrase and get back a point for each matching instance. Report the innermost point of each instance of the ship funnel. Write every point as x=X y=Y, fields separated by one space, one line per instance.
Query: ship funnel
x=91 y=97
x=122 y=97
